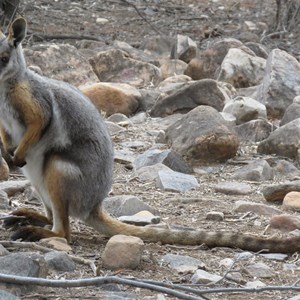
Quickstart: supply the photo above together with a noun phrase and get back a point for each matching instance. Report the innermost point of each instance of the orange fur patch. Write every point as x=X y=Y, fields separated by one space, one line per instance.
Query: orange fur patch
x=32 y=115
x=110 y=99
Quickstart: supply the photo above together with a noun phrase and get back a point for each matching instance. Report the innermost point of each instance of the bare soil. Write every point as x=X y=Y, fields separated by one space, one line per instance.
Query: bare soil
x=78 y=18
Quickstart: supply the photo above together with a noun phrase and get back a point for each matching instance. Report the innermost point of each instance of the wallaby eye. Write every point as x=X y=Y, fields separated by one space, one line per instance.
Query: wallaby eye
x=4 y=59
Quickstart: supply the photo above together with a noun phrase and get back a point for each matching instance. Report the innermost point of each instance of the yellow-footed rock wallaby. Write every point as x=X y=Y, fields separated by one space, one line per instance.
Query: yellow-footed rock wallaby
x=59 y=139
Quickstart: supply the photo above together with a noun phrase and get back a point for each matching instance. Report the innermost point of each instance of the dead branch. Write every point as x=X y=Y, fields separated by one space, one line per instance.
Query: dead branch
x=94 y=281
x=140 y=14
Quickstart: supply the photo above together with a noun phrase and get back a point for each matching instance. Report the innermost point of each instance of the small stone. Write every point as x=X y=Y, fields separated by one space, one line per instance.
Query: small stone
x=114 y=128
x=258 y=170
x=126 y=205
x=226 y=262
x=124 y=156
x=122 y=251
x=57 y=243
x=142 y=218
x=233 y=188
x=276 y=192
x=4 y=200
x=101 y=21
x=202 y=276
x=285 y=222
x=12 y=187
x=3 y=251
x=182 y=263
x=255 y=284
x=215 y=216
x=275 y=256
x=259 y=270
x=8 y=296
x=117 y=118
x=60 y=261
x=242 y=206
x=175 y=181
x=149 y=173
x=291 y=201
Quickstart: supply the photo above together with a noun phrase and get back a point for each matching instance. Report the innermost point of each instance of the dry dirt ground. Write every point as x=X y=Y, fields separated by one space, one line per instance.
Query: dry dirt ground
x=125 y=24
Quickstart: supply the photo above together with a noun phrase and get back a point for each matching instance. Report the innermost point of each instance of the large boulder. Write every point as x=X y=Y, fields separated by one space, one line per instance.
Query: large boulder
x=201 y=92
x=284 y=141
x=210 y=60
x=280 y=84
x=203 y=136
x=241 y=69
x=63 y=62
x=115 y=65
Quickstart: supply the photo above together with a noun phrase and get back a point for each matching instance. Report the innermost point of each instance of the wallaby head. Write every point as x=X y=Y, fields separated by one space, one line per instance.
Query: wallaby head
x=12 y=61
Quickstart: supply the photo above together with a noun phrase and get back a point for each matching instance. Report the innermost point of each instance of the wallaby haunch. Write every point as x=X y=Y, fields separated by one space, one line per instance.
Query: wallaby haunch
x=59 y=139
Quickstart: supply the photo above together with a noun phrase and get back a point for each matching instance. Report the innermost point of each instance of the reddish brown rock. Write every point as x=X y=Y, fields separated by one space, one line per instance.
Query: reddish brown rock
x=285 y=222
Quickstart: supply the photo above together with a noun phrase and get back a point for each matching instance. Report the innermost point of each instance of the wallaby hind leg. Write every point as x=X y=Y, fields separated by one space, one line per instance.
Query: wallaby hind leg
x=57 y=176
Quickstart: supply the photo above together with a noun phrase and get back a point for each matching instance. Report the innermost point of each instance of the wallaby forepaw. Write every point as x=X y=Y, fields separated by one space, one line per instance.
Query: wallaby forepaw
x=32 y=234
x=19 y=162
x=24 y=217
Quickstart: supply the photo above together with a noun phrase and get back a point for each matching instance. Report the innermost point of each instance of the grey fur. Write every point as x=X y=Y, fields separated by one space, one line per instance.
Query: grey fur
x=74 y=131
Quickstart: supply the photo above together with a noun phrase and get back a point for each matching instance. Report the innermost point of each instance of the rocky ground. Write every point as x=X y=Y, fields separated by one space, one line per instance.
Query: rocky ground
x=245 y=205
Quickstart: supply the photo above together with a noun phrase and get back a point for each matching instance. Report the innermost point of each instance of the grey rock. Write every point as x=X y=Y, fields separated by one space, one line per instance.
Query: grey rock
x=126 y=205
x=167 y=157
x=175 y=181
x=202 y=276
x=141 y=218
x=275 y=256
x=291 y=113
x=26 y=264
x=123 y=68
x=60 y=261
x=254 y=131
x=285 y=168
x=284 y=141
x=185 y=49
x=8 y=296
x=260 y=209
x=259 y=49
x=182 y=263
x=202 y=92
x=276 y=192
x=215 y=216
x=12 y=187
x=241 y=69
x=233 y=188
x=281 y=83
x=258 y=170
x=202 y=135
x=124 y=156
x=245 y=109
x=4 y=200
x=122 y=251
x=149 y=173
x=117 y=118
x=259 y=270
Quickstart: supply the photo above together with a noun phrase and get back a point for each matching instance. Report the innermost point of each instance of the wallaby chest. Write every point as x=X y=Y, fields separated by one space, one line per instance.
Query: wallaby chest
x=10 y=118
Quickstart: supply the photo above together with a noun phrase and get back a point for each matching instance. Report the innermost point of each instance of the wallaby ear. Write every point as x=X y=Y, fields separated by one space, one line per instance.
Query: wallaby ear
x=17 y=32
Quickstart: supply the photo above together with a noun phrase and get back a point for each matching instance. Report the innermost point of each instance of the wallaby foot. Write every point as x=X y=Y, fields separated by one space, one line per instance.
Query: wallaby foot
x=29 y=217
x=33 y=234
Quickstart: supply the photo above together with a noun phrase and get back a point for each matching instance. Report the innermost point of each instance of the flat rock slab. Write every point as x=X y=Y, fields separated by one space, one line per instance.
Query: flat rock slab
x=175 y=181
x=142 y=218
x=276 y=192
x=182 y=263
x=259 y=270
x=202 y=276
x=233 y=188
x=257 y=208
x=126 y=205
x=14 y=186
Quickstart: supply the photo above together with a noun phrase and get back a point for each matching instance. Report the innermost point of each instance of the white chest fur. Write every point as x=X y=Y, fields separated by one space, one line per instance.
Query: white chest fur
x=10 y=120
